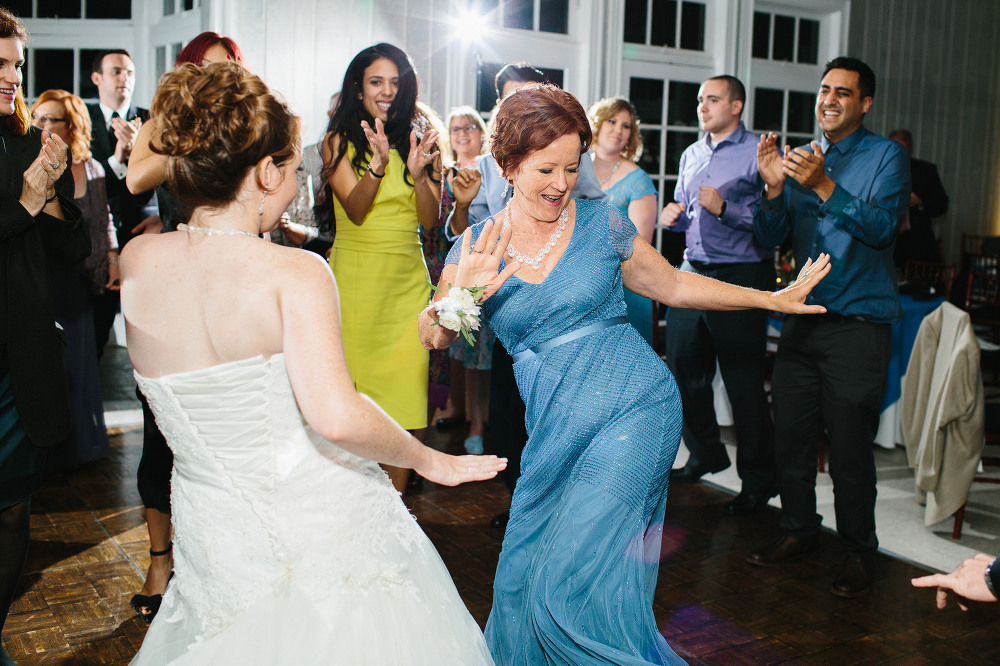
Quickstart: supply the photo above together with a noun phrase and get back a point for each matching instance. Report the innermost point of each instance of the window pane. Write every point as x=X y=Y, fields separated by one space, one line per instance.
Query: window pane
x=58 y=8
x=784 y=38
x=87 y=88
x=767 y=107
x=682 y=104
x=553 y=16
x=676 y=143
x=168 y=7
x=109 y=9
x=486 y=94
x=20 y=8
x=808 y=41
x=161 y=61
x=663 y=28
x=555 y=76
x=693 y=26
x=53 y=68
x=188 y=4
x=799 y=140
x=519 y=14
x=647 y=97
x=635 y=21
x=650 y=159
x=801 y=112
x=175 y=50
x=761 y=34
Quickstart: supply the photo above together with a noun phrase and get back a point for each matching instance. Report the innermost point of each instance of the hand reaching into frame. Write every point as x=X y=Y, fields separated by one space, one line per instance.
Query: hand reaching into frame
x=421 y=154
x=792 y=299
x=967 y=582
x=479 y=265
x=379 y=143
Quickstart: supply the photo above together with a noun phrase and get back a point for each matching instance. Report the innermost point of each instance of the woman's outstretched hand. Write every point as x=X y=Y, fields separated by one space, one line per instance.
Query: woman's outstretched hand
x=792 y=299
x=452 y=470
x=421 y=154
x=379 y=143
x=479 y=265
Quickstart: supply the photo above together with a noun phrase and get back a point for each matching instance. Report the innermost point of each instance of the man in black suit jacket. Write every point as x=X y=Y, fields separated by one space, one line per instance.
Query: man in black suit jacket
x=115 y=123
x=927 y=200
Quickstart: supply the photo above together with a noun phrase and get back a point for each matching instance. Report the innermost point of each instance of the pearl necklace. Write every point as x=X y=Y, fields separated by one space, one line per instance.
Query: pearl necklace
x=535 y=261
x=209 y=231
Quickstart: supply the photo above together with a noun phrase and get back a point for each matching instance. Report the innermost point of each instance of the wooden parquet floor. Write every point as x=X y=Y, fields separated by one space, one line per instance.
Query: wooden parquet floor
x=89 y=552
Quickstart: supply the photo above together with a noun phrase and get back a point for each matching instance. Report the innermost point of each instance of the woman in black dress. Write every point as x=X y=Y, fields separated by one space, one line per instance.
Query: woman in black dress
x=40 y=229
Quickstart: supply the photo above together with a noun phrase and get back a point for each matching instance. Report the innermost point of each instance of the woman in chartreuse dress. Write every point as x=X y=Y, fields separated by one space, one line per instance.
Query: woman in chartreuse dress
x=382 y=163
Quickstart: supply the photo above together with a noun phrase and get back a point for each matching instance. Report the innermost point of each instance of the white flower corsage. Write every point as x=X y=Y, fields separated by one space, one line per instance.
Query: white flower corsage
x=459 y=310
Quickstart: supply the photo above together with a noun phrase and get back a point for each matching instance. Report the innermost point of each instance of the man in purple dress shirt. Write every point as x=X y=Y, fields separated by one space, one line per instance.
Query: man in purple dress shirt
x=717 y=190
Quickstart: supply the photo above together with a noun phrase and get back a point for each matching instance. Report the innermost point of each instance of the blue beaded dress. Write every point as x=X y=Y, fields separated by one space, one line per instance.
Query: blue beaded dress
x=635 y=185
x=578 y=568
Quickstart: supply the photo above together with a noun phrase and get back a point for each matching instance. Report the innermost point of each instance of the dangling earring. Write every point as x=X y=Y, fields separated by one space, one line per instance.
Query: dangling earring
x=260 y=210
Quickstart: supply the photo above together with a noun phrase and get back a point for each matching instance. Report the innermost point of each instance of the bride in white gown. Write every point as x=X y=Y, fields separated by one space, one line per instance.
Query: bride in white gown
x=291 y=546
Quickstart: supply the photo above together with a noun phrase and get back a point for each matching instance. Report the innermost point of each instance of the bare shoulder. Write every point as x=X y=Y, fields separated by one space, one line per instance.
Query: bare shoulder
x=140 y=249
x=304 y=271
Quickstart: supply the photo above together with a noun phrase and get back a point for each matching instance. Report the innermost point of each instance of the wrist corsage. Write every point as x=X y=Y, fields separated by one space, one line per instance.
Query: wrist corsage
x=459 y=310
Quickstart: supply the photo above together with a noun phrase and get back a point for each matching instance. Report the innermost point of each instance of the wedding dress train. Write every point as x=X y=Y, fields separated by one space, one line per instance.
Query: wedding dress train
x=287 y=548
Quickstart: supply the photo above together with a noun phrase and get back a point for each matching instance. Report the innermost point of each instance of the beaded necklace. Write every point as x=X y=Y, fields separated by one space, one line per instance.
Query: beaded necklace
x=209 y=231
x=536 y=261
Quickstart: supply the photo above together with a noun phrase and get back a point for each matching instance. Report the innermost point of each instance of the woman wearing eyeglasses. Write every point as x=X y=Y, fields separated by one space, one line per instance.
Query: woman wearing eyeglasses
x=74 y=290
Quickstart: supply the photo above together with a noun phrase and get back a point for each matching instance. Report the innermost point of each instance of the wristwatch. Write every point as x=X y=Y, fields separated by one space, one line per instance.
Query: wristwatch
x=993 y=577
x=723 y=211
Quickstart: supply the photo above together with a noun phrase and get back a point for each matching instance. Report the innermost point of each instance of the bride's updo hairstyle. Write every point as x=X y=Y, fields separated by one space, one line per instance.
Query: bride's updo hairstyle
x=217 y=123
x=531 y=119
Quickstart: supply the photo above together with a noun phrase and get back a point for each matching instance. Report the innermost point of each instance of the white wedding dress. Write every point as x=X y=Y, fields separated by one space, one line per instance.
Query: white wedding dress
x=287 y=548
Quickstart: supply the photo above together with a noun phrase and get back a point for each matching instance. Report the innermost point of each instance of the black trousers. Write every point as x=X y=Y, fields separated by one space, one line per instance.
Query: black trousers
x=694 y=340
x=506 y=415
x=829 y=371
x=156 y=464
x=106 y=307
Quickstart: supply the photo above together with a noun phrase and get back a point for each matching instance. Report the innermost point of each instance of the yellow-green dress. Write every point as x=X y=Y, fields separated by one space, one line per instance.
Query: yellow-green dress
x=381 y=277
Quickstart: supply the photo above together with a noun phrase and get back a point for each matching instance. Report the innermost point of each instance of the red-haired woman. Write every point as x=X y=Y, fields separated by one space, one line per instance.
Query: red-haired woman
x=40 y=229
x=578 y=569
x=73 y=291
x=147 y=170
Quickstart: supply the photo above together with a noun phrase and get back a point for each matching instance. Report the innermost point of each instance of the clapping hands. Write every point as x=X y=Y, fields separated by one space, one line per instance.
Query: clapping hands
x=421 y=154
x=40 y=178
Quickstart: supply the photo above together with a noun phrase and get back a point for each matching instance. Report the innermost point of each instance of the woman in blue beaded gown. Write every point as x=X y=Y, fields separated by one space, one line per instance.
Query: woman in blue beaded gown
x=577 y=572
x=617 y=147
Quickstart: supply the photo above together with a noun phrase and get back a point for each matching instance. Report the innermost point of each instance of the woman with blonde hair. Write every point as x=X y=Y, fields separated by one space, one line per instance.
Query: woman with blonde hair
x=73 y=291
x=616 y=149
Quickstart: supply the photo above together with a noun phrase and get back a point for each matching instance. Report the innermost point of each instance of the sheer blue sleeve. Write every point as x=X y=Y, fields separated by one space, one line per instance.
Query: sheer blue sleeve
x=642 y=186
x=623 y=232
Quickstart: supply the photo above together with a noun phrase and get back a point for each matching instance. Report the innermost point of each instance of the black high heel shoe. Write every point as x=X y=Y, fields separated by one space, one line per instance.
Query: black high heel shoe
x=152 y=602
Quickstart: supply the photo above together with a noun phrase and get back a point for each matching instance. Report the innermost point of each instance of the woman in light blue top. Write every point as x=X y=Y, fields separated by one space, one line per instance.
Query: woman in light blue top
x=617 y=146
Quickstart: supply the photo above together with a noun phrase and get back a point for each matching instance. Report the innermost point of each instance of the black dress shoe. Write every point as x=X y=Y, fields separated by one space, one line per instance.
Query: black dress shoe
x=692 y=474
x=745 y=504
x=500 y=520
x=855 y=577
x=451 y=422
x=782 y=551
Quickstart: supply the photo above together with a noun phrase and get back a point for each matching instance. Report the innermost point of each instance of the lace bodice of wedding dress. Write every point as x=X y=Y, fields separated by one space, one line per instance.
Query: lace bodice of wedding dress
x=287 y=548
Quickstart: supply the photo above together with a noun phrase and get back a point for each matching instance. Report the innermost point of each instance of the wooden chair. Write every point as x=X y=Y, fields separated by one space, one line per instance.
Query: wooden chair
x=940 y=276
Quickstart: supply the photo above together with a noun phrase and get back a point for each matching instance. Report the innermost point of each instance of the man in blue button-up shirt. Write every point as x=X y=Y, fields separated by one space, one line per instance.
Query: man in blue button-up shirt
x=717 y=192
x=845 y=196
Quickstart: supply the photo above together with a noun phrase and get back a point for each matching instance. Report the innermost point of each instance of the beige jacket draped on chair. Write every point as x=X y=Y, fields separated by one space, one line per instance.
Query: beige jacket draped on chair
x=942 y=410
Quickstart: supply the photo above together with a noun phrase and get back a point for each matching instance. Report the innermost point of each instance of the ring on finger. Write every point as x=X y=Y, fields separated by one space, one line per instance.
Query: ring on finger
x=477 y=251
x=54 y=165
x=425 y=154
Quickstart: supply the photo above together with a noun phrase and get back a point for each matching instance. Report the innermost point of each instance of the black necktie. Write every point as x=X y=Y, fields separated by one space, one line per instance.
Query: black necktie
x=111 y=131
